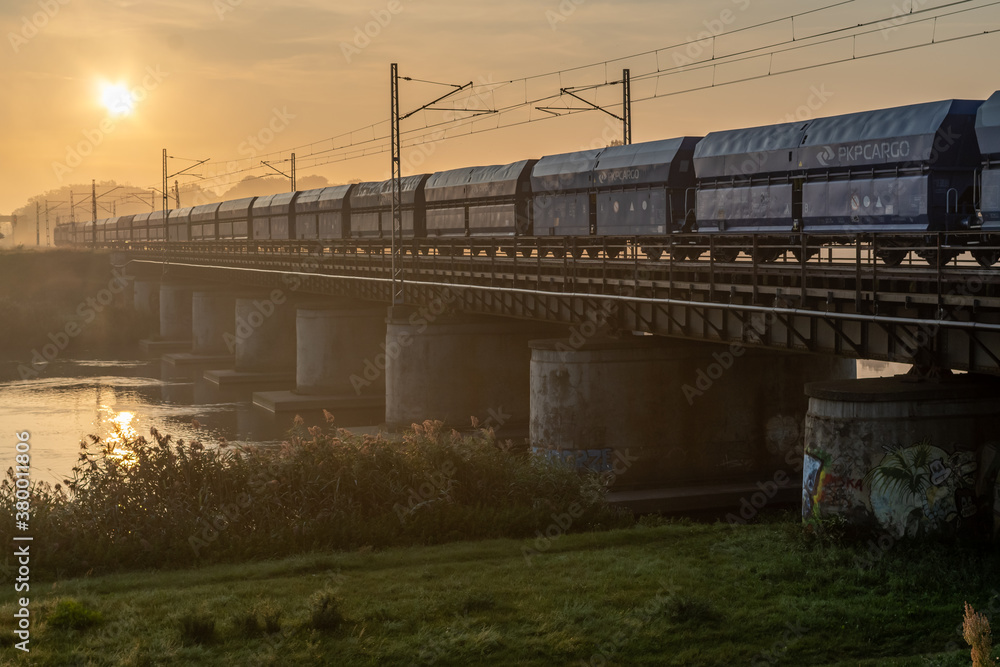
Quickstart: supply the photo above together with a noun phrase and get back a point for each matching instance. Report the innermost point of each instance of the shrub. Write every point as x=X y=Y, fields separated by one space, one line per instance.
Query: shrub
x=976 y=630
x=73 y=615
x=160 y=503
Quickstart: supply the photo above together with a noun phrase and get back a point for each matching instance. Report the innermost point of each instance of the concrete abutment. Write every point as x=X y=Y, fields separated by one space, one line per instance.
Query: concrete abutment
x=659 y=412
x=335 y=341
x=458 y=368
x=903 y=457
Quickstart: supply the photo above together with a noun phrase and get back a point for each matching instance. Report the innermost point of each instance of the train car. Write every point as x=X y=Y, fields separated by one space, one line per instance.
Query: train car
x=179 y=224
x=274 y=217
x=156 y=225
x=140 y=227
x=485 y=202
x=745 y=182
x=83 y=233
x=62 y=235
x=988 y=137
x=204 y=222
x=371 y=208
x=905 y=169
x=644 y=190
x=323 y=213
x=124 y=225
x=563 y=203
x=235 y=218
x=104 y=235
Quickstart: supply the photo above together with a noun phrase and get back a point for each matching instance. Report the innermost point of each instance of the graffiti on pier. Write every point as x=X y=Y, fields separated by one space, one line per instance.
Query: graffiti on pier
x=922 y=489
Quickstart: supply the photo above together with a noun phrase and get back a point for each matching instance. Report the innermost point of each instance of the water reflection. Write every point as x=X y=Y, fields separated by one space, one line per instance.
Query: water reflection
x=117 y=401
x=121 y=432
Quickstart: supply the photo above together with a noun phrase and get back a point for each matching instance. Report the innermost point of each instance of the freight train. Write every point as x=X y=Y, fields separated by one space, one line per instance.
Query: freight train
x=915 y=172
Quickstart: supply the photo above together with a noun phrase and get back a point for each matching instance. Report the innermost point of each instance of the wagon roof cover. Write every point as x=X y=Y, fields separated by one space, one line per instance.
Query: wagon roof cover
x=236 y=208
x=487 y=181
x=988 y=125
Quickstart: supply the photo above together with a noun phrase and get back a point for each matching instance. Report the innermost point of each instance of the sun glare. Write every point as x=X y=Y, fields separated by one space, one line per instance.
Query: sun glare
x=117 y=99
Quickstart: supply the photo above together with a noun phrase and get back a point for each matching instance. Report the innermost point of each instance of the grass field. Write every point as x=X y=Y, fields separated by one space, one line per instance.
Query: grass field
x=669 y=594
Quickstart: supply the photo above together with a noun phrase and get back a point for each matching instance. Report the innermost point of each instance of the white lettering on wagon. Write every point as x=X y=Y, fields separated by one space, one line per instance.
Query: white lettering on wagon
x=878 y=150
x=618 y=176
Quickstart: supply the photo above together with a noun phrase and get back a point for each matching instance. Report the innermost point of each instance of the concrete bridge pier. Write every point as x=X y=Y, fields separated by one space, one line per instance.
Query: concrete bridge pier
x=941 y=436
x=335 y=339
x=175 y=320
x=456 y=368
x=146 y=299
x=262 y=340
x=212 y=328
x=680 y=425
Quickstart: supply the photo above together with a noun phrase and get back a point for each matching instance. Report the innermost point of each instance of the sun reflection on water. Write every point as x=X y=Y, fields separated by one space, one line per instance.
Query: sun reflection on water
x=120 y=430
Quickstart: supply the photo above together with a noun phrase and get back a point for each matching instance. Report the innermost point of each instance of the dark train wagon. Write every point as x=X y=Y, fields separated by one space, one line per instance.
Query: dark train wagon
x=274 y=217
x=906 y=169
x=646 y=190
x=140 y=227
x=62 y=235
x=205 y=222
x=371 y=208
x=562 y=201
x=156 y=225
x=106 y=230
x=323 y=213
x=487 y=202
x=124 y=224
x=745 y=181
x=234 y=218
x=179 y=224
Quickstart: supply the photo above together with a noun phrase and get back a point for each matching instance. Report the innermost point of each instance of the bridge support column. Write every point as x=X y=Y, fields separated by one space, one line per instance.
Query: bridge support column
x=681 y=425
x=212 y=327
x=262 y=340
x=212 y=324
x=175 y=320
x=904 y=457
x=334 y=342
x=454 y=369
x=175 y=311
x=146 y=299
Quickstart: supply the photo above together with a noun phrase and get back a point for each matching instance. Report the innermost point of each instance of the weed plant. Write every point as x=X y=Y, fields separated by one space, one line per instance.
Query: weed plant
x=161 y=503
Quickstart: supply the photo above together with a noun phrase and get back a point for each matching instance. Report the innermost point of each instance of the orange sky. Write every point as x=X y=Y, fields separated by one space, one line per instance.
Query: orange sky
x=231 y=80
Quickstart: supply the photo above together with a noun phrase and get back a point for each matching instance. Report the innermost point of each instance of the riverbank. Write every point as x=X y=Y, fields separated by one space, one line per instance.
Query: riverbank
x=57 y=303
x=668 y=594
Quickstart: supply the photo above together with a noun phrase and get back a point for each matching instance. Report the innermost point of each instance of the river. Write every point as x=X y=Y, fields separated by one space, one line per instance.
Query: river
x=114 y=398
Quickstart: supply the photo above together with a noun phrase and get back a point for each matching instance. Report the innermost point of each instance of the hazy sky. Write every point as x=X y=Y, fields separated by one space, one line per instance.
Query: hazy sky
x=231 y=80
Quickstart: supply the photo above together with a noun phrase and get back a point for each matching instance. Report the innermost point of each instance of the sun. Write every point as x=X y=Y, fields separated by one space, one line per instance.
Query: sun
x=117 y=99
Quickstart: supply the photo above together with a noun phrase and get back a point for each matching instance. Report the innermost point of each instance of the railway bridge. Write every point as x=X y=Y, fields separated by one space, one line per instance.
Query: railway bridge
x=685 y=380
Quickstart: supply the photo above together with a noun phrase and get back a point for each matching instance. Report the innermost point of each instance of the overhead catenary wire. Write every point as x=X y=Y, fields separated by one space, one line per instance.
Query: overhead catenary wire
x=524 y=80
x=375 y=143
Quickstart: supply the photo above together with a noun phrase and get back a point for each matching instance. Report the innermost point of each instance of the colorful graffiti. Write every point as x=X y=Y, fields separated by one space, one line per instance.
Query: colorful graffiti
x=813 y=477
x=922 y=489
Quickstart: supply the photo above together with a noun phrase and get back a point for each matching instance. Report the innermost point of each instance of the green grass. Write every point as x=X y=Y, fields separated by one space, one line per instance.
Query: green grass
x=674 y=594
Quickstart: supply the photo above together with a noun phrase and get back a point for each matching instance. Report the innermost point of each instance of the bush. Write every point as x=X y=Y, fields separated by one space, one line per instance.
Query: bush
x=159 y=503
x=72 y=615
